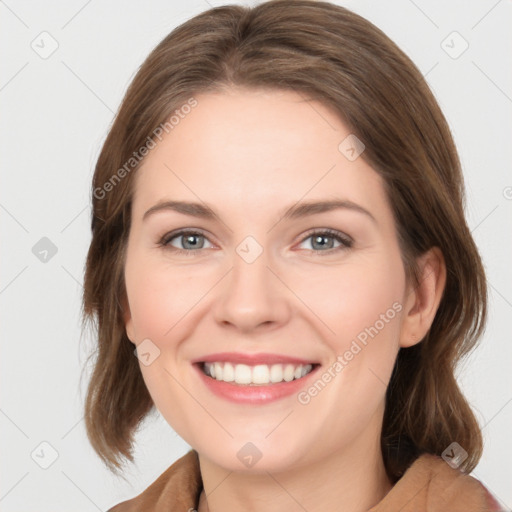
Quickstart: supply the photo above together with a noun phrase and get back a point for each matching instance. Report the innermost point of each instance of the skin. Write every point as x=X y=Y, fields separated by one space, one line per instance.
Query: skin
x=250 y=154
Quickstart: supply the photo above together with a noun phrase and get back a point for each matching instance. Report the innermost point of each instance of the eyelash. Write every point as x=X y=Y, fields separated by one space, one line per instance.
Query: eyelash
x=346 y=243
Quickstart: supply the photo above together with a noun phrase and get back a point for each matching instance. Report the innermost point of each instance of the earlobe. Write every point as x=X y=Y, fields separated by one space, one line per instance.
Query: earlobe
x=129 y=331
x=422 y=301
x=127 y=318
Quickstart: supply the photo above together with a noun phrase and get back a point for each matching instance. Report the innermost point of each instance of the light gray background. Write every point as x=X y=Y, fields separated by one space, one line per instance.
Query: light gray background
x=55 y=114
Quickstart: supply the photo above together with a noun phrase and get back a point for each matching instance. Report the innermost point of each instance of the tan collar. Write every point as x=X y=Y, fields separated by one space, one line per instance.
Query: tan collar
x=429 y=485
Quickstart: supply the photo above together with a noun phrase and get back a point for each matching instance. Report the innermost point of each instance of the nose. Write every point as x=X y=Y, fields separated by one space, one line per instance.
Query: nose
x=252 y=296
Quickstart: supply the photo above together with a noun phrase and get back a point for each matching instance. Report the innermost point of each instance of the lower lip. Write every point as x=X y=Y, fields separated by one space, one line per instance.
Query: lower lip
x=254 y=394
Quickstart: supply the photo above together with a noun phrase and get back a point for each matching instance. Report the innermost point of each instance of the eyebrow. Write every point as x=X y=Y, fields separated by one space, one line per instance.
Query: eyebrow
x=293 y=212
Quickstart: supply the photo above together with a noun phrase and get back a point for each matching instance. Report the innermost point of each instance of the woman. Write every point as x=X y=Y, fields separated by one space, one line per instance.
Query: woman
x=304 y=343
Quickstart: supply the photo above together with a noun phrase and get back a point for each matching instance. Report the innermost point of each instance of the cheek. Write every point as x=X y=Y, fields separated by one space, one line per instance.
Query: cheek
x=159 y=296
x=360 y=304
x=355 y=299
x=367 y=325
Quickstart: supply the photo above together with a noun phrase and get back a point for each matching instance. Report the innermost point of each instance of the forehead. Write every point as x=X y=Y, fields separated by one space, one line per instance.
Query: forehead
x=256 y=148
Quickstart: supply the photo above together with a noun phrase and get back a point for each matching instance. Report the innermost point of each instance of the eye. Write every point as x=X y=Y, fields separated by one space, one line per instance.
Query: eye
x=318 y=238
x=188 y=240
x=190 y=245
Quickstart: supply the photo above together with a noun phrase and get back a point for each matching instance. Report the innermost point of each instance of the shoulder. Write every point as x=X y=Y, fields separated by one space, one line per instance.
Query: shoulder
x=452 y=484
x=430 y=483
x=177 y=488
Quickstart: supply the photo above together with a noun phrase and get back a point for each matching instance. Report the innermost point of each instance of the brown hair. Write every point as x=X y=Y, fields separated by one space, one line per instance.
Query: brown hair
x=332 y=55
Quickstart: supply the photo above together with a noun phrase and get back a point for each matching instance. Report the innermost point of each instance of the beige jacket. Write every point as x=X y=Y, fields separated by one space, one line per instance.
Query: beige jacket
x=428 y=485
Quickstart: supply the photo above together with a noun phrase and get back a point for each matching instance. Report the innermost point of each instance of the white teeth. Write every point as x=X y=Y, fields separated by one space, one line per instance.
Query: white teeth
x=276 y=373
x=228 y=372
x=242 y=374
x=289 y=372
x=258 y=374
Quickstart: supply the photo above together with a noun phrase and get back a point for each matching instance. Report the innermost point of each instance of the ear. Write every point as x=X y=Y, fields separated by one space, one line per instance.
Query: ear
x=422 y=300
x=127 y=318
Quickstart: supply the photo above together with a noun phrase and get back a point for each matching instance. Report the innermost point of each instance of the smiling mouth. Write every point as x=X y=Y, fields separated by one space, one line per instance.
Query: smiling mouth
x=256 y=375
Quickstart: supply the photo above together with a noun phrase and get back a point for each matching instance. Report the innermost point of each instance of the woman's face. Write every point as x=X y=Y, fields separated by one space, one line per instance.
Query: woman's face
x=253 y=280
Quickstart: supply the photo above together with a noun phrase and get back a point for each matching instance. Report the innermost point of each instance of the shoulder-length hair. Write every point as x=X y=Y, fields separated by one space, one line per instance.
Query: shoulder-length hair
x=326 y=53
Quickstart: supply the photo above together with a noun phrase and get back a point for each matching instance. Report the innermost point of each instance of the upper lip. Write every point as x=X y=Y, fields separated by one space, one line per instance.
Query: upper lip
x=251 y=359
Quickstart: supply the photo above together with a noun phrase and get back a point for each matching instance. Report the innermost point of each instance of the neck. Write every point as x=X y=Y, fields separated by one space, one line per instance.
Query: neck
x=352 y=479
